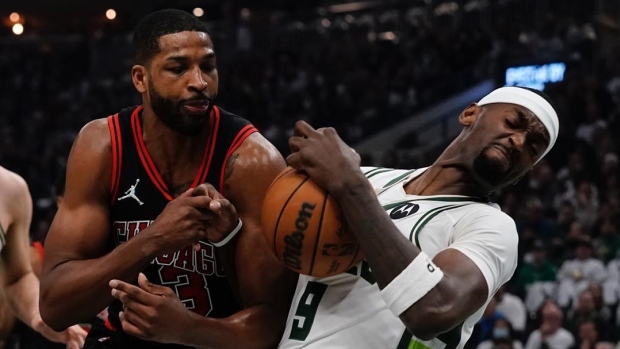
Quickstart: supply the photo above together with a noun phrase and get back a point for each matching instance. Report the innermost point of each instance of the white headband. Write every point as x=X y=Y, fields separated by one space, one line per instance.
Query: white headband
x=532 y=101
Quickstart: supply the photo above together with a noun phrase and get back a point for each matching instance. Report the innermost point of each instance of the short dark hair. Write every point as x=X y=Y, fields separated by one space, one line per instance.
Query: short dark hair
x=157 y=24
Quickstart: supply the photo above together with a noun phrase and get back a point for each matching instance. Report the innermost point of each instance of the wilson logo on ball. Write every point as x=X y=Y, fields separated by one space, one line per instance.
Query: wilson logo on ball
x=295 y=241
x=404 y=210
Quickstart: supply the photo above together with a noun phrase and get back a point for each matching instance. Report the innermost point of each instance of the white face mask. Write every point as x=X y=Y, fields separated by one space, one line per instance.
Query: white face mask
x=501 y=333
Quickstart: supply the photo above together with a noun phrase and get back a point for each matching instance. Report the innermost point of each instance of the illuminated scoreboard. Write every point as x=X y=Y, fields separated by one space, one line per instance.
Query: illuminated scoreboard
x=535 y=76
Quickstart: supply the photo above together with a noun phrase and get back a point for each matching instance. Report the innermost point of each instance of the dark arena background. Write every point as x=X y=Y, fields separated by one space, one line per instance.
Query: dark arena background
x=390 y=76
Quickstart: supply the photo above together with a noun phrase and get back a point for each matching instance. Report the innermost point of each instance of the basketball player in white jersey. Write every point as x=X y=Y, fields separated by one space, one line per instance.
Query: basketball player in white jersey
x=19 y=283
x=442 y=250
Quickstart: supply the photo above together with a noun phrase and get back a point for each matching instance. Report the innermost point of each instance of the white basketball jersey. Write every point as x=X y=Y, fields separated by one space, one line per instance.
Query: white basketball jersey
x=347 y=311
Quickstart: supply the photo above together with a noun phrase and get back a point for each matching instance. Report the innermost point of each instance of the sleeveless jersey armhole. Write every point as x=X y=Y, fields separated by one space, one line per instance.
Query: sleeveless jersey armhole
x=117 y=156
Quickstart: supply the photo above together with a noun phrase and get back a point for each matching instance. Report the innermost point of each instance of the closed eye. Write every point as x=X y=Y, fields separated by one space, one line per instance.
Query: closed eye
x=176 y=70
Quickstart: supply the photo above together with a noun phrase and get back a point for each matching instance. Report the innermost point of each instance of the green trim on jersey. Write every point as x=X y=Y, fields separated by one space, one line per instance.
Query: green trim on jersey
x=452 y=338
x=406 y=342
x=417 y=345
x=377 y=172
x=436 y=198
x=395 y=180
x=375 y=169
x=427 y=218
x=2 y=238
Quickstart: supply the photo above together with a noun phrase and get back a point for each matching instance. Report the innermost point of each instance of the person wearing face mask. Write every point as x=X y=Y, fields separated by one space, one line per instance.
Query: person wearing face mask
x=503 y=337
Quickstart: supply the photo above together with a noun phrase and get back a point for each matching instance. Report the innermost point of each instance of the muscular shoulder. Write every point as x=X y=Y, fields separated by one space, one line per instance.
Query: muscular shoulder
x=94 y=136
x=251 y=168
x=256 y=153
x=486 y=217
x=489 y=238
x=91 y=154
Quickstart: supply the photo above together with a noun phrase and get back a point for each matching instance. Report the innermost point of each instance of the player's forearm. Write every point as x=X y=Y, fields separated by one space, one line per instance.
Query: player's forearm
x=384 y=247
x=23 y=297
x=76 y=290
x=389 y=252
x=227 y=256
x=253 y=328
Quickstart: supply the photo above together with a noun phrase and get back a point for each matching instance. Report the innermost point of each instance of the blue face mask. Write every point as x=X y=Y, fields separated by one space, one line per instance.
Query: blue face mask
x=500 y=333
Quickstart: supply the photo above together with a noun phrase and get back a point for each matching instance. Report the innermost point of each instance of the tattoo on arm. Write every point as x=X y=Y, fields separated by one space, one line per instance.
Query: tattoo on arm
x=230 y=166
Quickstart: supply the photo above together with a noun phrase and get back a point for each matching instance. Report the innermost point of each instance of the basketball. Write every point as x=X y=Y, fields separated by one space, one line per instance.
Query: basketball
x=304 y=227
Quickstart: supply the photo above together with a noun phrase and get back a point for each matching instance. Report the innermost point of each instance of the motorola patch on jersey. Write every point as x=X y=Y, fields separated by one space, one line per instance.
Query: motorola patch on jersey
x=404 y=210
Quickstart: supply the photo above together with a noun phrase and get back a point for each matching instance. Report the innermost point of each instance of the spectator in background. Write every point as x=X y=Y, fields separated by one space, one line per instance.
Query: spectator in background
x=484 y=328
x=535 y=219
x=513 y=308
x=568 y=178
x=550 y=334
x=611 y=286
x=503 y=337
x=604 y=345
x=588 y=129
x=599 y=302
x=586 y=312
x=585 y=201
x=576 y=275
x=542 y=183
x=565 y=217
x=537 y=277
x=608 y=242
x=587 y=337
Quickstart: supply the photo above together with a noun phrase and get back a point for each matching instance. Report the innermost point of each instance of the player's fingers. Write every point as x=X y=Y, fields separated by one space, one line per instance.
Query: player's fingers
x=77 y=335
x=150 y=287
x=294 y=161
x=126 y=293
x=199 y=202
x=303 y=129
x=222 y=206
x=295 y=143
x=206 y=189
x=186 y=193
x=73 y=344
x=131 y=327
x=78 y=332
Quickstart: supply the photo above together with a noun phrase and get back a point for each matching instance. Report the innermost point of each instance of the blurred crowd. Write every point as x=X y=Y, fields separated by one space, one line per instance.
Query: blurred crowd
x=360 y=74
x=565 y=292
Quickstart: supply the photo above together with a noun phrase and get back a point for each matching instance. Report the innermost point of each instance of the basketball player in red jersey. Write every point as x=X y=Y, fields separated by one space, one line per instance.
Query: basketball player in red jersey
x=134 y=204
x=20 y=285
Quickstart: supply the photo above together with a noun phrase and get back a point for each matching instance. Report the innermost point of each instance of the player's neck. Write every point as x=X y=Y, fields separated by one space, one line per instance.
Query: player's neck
x=447 y=176
x=169 y=145
x=440 y=179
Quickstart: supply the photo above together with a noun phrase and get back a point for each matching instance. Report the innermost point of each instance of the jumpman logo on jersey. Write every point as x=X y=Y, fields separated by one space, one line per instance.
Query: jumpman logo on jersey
x=131 y=193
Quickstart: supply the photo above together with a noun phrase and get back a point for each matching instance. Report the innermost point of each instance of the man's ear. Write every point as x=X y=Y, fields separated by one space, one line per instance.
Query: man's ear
x=139 y=78
x=470 y=115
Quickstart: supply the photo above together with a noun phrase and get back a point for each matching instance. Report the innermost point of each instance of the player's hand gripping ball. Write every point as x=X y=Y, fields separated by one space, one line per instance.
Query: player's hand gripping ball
x=305 y=229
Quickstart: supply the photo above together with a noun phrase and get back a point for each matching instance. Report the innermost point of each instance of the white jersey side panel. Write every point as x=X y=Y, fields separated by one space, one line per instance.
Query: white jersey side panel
x=347 y=311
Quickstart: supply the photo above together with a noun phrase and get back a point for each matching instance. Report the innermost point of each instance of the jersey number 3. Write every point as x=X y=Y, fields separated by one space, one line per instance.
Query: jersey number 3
x=306 y=310
x=190 y=287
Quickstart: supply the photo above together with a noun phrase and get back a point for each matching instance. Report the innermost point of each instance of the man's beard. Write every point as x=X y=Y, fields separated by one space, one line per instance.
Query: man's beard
x=170 y=112
x=489 y=170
